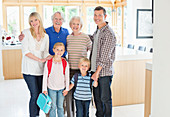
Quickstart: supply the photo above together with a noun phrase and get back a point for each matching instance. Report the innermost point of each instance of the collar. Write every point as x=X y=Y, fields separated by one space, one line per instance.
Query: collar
x=61 y=29
x=102 y=27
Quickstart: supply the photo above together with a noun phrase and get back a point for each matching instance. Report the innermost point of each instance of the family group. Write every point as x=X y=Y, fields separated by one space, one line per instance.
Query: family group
x=56 y=63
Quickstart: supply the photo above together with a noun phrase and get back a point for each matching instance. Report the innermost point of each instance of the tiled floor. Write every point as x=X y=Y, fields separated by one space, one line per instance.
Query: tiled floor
x=14 y=98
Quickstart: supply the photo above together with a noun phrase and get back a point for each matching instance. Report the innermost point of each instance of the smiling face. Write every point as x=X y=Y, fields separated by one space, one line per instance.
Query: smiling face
x=34 y=22
x=76 y=26
x=57 y=21
x=84 y=66
x=59 y=51
x=99 y=17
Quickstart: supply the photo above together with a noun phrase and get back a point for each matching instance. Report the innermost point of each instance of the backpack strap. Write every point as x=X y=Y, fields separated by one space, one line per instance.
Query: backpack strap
x=64 y=62
x=75 y=79
x=50 y=62
x=91 y=80
x=49 y=66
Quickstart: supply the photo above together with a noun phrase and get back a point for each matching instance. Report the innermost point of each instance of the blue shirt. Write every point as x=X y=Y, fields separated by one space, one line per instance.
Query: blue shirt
x=55 y=37
x=83 y=90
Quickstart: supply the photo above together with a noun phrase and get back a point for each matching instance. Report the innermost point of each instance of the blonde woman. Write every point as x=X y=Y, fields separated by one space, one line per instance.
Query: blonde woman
x=35 y=47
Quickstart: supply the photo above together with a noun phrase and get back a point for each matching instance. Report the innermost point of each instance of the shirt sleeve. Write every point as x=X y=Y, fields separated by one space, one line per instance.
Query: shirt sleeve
x=106 y=49
x=25 y=43
x=67 y=77
x=72 y=80
x=45 y=77
x=89 y=44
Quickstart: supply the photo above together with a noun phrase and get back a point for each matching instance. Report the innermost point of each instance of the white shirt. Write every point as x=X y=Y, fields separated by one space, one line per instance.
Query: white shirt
x=56 y=80
x=39 y=49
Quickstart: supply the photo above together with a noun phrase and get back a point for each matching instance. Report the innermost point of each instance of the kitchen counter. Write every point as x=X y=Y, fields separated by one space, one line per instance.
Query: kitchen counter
x=131 y=54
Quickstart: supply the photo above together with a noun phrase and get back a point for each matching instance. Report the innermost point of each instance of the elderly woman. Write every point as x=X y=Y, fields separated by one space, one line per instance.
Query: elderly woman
x=78 y=45
x=35 y=47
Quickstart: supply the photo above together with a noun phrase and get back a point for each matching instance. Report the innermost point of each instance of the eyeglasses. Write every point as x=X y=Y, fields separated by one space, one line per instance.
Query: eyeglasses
x=59 y=19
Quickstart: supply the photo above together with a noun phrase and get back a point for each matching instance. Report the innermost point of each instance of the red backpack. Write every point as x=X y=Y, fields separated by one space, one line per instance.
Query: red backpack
x=49 y=65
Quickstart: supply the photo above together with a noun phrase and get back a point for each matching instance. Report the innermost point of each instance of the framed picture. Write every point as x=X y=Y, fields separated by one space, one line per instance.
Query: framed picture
x=144 y=27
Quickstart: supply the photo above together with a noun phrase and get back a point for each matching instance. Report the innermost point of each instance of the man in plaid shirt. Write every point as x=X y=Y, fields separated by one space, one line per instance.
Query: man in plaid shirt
x=102 y=58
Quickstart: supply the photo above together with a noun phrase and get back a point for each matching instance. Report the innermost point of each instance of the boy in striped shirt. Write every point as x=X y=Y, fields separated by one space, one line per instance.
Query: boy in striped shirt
x=82 y=94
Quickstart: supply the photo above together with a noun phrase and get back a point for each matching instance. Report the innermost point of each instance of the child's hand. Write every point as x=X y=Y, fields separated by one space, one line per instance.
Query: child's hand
x=65 y=93
x=45 y=92
x=95 y=84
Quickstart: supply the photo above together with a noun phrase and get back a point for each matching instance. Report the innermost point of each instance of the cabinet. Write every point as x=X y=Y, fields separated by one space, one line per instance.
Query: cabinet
x=148 y=87
x=12 y=60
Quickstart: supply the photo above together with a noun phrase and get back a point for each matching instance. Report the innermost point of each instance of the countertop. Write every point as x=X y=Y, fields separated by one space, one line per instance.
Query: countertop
x=122 y=54
x=149 y=66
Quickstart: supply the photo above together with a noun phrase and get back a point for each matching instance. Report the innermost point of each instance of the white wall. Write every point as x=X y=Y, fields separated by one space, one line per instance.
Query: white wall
x=160 y=105
x=132 y=6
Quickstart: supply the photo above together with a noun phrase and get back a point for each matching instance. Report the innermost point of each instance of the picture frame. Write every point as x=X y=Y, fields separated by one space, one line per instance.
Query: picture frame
x=144 y=28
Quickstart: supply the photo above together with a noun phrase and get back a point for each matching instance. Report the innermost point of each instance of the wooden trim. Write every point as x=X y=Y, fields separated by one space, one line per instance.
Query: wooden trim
x=4 y=17
x=148 y=91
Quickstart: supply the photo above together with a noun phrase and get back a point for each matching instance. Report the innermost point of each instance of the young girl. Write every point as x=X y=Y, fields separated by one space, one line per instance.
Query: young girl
x=56 y=79
x=82 y=94
x=35 y=48
x=78 y=45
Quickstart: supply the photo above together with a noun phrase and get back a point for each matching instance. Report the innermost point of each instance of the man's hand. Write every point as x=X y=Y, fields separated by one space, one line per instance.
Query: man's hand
x=21 y=37
x=95 y=76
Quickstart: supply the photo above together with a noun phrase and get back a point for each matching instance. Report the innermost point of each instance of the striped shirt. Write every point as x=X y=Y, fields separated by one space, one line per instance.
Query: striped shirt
x=82 y=91
x=77 y=47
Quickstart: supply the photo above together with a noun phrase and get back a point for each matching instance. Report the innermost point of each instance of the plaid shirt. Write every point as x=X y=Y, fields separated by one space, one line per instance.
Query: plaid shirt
x=105 y=50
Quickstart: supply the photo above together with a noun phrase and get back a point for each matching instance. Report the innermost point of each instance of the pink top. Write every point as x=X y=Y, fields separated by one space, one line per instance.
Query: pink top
x=56 y=79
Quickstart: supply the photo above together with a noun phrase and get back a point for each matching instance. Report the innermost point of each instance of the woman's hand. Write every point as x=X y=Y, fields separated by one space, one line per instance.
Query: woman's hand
x=42 y=60
x=65 y=93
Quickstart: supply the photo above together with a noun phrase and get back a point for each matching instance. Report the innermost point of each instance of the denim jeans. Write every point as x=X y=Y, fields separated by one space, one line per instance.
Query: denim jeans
x=34 y=84
x=102 y=97
x=57 y=102
x=82 y=108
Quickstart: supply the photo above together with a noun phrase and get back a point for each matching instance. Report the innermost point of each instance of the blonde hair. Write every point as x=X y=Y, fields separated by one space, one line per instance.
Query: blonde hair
x=58 y=44
x=41 y=28
x=76 y=18
x=84 y=60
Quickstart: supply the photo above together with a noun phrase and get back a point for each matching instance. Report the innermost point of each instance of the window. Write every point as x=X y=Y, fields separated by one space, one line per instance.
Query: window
x=119 y=25
x=27 y=12
x=91 y=26
x=68 y=11
x=125 y=24
x=13 y=25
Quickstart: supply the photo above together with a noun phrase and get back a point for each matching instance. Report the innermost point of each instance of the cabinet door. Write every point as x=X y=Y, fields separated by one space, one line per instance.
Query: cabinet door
x=12 y=60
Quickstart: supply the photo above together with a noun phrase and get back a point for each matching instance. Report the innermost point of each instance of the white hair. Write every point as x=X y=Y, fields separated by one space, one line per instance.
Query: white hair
x=62 y=15
x=76 y=18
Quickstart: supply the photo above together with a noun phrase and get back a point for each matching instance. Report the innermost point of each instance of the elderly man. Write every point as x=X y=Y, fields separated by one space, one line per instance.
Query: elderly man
x=57 y=34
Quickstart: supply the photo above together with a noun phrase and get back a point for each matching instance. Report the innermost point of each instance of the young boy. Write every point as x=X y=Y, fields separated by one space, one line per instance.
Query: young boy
x=55 y=79
x=82 y=94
